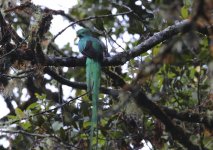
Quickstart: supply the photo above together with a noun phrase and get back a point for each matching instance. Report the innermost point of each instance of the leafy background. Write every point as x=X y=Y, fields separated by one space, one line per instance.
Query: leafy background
x=156 y=82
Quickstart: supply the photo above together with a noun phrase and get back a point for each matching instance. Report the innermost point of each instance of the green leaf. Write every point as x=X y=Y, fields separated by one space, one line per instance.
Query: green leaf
x=12 y=117
x=171 y=75
x=63 y=134
x=84 y=136
x=156 y=50
x=57 y=125
x=20 y=114
x=103 y=122
x=187 y=3
x=208 y=141
x=86 y=124
x=101 y=141
x=26 y=125
x=117 y=134
x=41 y=97
x=32 y=106
x=184 y=12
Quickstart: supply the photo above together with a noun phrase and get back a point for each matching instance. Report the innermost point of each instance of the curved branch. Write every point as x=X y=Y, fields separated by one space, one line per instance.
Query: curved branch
x=90 y=18
x=143 y=102
x=123 y=57
x=38 y=135
x=190 y=117
x=119 y=58
x=177 y=132
x=78 y=85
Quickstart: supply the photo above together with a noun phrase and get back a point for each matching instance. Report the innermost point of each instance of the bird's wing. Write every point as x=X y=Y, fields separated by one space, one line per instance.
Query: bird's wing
x=91 y=52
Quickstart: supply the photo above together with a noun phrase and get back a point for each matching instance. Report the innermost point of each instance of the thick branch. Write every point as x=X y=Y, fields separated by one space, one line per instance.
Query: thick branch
x=157 y=38
x=177 y=133
x=119 y=58
x=77 y=85
x=190 y=117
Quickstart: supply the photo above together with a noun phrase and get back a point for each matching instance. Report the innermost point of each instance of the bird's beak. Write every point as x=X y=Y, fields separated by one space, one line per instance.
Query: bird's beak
x=76 y=40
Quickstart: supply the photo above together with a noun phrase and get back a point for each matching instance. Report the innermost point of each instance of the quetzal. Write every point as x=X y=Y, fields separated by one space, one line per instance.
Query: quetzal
x=93 y=49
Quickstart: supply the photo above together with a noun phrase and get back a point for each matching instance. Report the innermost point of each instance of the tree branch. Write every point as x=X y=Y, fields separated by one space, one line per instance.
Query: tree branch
x=190 y=117
x=123 y=57
x=38 y=135
x=177 y=132
x=119 y=58
x=90 y=18
x=77 y=85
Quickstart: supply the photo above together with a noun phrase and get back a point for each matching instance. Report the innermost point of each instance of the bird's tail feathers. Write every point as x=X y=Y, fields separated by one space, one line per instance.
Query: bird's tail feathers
x=93 y=73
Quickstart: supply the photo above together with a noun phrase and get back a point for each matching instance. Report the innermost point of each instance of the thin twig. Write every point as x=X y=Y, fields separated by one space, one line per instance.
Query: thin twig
x=14 y=48
x=15 y=76
x=89 y=18
x=26 y=71
x=116 y=43
x=20 y=7
x=25 y=133
x=38 y=135
x=46 y=111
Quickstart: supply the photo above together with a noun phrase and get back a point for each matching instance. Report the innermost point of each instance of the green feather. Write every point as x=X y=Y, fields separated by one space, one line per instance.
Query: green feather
x=93 y=49
x=93 y=73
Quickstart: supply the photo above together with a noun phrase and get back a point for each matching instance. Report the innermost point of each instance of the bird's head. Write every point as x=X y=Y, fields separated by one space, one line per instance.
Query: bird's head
x=83 y=32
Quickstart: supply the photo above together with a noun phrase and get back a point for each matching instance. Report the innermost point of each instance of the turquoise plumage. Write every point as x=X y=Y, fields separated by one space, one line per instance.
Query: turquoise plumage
x=93 y=49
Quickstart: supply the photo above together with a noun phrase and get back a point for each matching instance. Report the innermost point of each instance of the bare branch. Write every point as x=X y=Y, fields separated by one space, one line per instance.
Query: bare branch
x=123 y=57
x=38 y=135
x=190 y=117
x=120 y=58
x=44 y=112
x=78 y=85
x=89 y=18
x=13 y=50
x=25 y=133
x=177 y=132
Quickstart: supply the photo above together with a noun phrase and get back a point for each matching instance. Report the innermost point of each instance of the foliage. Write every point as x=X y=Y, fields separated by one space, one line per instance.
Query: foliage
x=156 y=82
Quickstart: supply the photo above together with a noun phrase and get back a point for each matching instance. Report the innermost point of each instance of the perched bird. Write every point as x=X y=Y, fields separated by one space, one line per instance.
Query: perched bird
x=93 y=49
